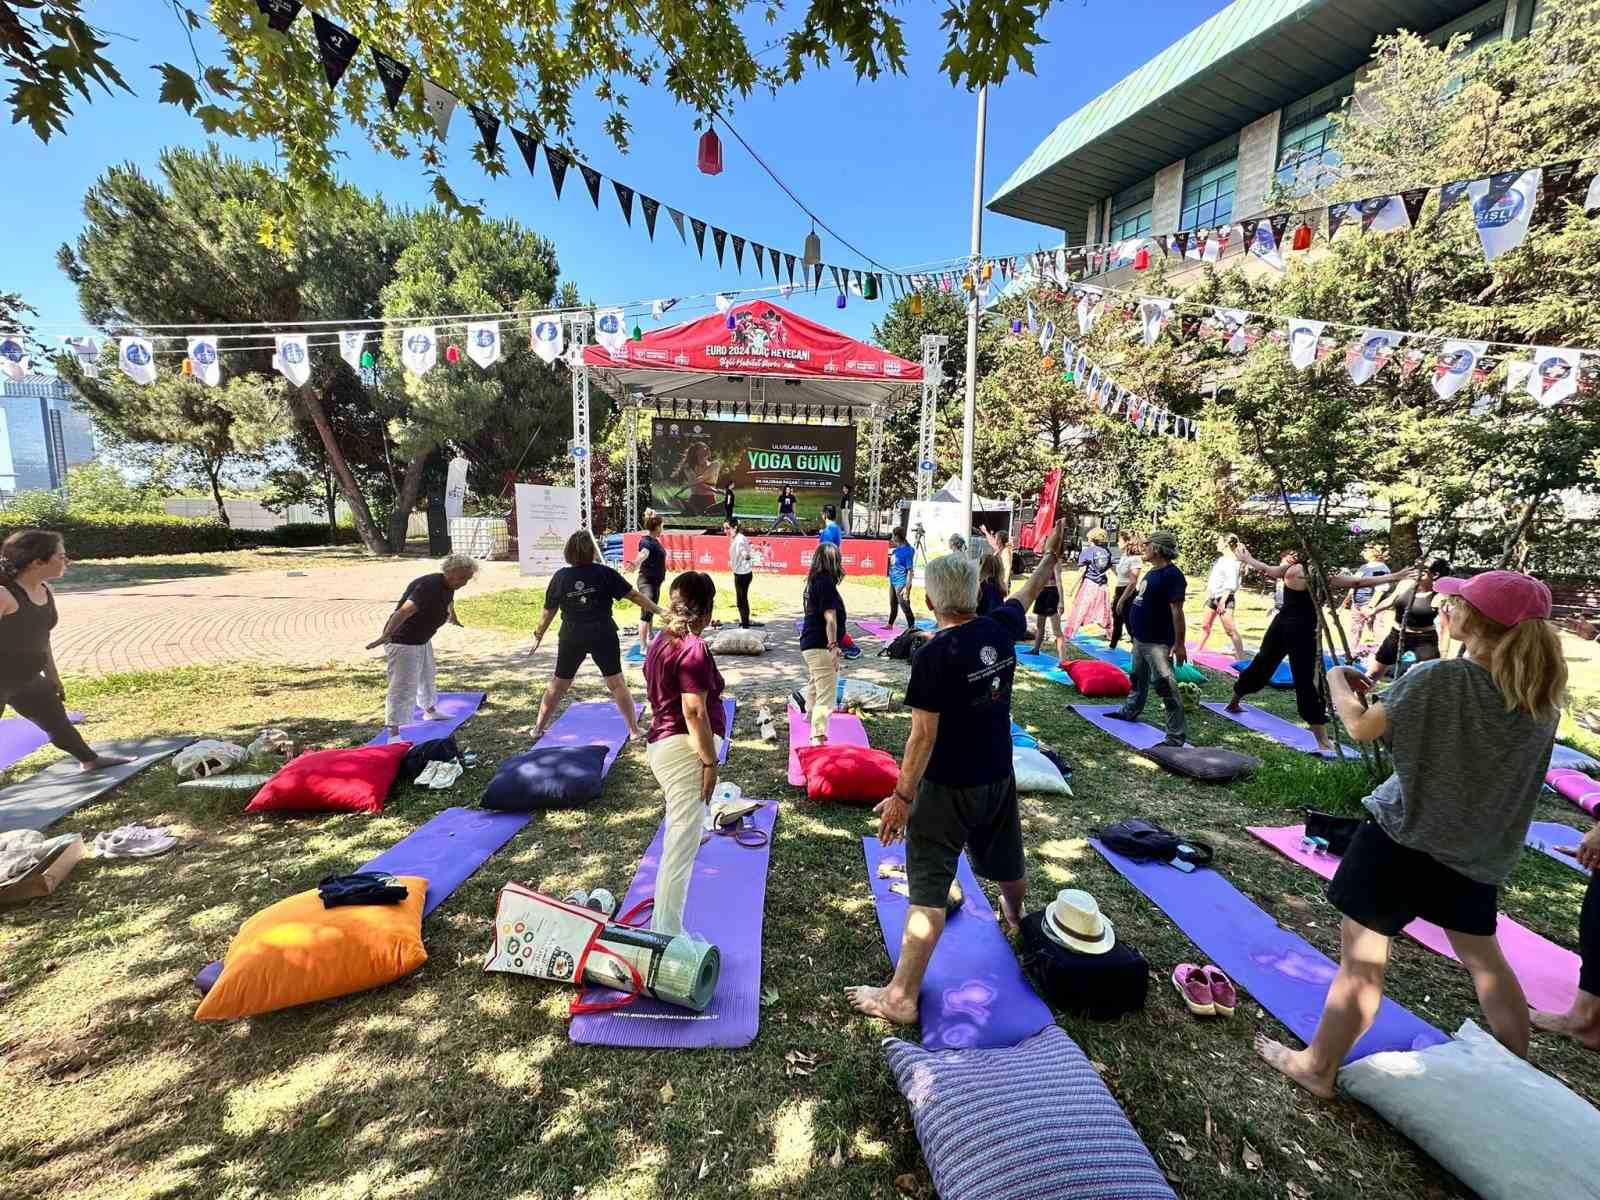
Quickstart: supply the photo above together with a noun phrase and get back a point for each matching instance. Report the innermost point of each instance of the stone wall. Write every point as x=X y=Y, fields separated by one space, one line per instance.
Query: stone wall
x=1258 y=162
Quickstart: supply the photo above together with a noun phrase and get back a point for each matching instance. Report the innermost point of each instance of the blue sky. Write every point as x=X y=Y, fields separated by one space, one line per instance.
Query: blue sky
x=887 y=164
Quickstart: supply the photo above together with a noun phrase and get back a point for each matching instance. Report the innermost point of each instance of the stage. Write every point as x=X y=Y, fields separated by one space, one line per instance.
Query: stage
x=778 y=555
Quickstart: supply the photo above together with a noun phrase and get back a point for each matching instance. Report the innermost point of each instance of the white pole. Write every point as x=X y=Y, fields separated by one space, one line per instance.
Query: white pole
x=969 y=408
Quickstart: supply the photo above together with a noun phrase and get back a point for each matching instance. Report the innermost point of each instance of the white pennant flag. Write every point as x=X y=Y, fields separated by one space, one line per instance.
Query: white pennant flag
x=1122 y=398
x=1502 y=207
x=1370 y=354
x=724 y=302
x=203 y=360
x=1591 y=198
x=1080 y=370
x=87 y=352
x=545 y=337
x=1554 y=376
x=1094 y=381
x=440 y=105
x=136 y=359
x=1456 y=363
x=1033 y=320
x=1233 y=323
x=610 y=331
x=1517 y=375
x=13 y=358
x=659 y=307
x=350 y=343
x=1047 y=336
x=1303 y=338
x=419 y=349
x=1155 y=313
x=1088 y=309
x=293 y=357
x=1213 y=251
x=483 y=343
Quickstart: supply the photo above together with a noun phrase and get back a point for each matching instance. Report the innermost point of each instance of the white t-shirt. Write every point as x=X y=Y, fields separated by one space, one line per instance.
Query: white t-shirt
x=1126 y=566
x=739 y=554
x=1226 y=574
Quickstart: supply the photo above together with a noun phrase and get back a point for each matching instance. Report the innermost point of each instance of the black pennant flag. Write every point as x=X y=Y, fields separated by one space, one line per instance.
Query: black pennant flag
x=1248 y=231
x=1161 y=240
x=1338 y=214
x=1280 y=226
x=1412 y=198
x=816 y=276
x=720 y=237
x=336 y=46
x=1450 y=193
x=1190 y=326
x=592 y=178
x=625 y=199
x=1558 y=184
x=738 y=252
x=838 y=281
x=757 y=249
x=1500 y=183
x=529 y=148
x=1371 y=208
x=788 y=260
x=1181 y=241
x=556 y=160
x=651 y=208
x=488 y=128
x=394 y=74
x=699 y=228
x=772 y=257
x=280 y=14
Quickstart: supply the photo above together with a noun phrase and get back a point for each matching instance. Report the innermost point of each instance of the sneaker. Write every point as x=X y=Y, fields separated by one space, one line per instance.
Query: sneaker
x=1173 y=741
x=428 y=774
x=851 y=651
x=796 y=699
x=447 y=775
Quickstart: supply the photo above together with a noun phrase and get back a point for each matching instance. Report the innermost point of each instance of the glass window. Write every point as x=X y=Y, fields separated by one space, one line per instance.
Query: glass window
x=1208 y=181
x=1130 y=217
x=1305 y=157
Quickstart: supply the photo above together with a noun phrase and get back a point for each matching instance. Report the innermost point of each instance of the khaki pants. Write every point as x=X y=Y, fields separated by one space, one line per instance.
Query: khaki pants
x=822 y=690
x=676 y=766
x=411 y=681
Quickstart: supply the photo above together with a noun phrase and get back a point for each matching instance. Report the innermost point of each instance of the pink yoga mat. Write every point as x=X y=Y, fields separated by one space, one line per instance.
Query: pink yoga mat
x=1576 y=787
x=1213 y=659
x=844 y=729
x=887 y=633
x=1548 y=973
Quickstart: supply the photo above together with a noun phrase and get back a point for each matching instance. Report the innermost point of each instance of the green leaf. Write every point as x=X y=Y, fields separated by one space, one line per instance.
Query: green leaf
x=177 y=87
x=217 y=80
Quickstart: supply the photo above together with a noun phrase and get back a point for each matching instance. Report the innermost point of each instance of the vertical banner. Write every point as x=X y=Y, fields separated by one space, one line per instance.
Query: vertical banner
x=455 y=488
x=546 y=518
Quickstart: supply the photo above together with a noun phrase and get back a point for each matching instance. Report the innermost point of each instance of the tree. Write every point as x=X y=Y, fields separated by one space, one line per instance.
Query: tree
x=47 y=51
x=100 y=487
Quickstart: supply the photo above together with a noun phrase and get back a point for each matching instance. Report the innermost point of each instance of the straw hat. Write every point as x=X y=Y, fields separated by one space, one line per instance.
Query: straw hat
x=1074 y=920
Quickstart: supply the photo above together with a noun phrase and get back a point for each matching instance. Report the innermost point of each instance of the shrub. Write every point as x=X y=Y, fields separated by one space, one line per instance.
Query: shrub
x=123 y=535
x=298 y=533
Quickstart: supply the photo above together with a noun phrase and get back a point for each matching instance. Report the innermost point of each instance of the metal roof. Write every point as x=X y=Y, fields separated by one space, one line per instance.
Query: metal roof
x=1248 y=60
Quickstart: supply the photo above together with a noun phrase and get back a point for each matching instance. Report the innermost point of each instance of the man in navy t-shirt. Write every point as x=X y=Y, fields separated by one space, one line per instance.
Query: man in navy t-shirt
x=1156 y=627
x=956 y=789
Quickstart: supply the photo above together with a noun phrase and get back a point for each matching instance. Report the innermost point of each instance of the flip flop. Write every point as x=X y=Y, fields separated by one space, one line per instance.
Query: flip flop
x=1224 y=996
x=1195 y=988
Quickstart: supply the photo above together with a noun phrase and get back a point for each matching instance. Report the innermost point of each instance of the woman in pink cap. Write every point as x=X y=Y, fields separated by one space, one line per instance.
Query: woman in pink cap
x=1471 y=740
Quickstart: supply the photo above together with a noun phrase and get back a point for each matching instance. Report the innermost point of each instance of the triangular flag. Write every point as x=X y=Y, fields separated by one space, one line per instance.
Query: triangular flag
x=1369 y=355
x=699 y=228
x=719 y=238
x=1502 y=207
x=1088 y=310
x=1279 y=224
x=772 y=257
x=788 y=263
x=1338 y=214
x=14 y=360
x=556 y=160
x=1263 y=242
x=1412 y=200
x=336 y=47
x=1559 y=183
x=816 y=276
x=419 y=349
x=1233 y=326
x=351 y=342
x=1217 y=244
x=1162 y=241
x=488 y=128
x=1047 y=336
x=545 y=337
x=724 y=301
x=293 y=358
x=483 y=342
x=1304 y=337
x=136 y=359
x=1247 y=230
x=677 y=223
x=738 y=253
x=1380 y=213
x=1032 y=319
x=1554 y=376
x=529 y=148
x=203 y=360
x=394 y=74
x=625 y=199
x=659 y=307
x=837 y=282
x=610 y=330
x=1181 y=241
x=1456 y=364
x=280 y=14
x=757 y=251
x=650 y=208
x=441 y=105
x=1452 y=192
x=1154 y=313
x=87 y=352
x=591 y=178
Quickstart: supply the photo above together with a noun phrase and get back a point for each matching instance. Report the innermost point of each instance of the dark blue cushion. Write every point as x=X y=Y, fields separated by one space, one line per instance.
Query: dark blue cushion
x=548 y=777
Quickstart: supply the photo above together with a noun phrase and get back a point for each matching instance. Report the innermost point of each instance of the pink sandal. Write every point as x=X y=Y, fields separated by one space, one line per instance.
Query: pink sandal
x=1193 y=985
x=1224 y=996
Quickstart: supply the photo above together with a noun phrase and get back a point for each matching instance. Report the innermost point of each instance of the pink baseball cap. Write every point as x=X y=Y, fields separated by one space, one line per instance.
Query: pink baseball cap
x=1509 y=597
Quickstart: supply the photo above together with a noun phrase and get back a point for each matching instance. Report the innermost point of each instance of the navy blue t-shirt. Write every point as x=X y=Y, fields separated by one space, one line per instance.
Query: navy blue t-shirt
x=584 y=594
x=1150 y=616
x=990 y=597
x=821 y=595
x=964 y=674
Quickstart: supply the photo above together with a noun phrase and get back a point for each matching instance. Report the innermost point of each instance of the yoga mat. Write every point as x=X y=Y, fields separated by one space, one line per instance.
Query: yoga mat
x=20 y=737
x=883 y=633
x=1545 y=836
x=1047 y=665
x=1214 y=660
x=44 y=798
x=726 y=906
x=1285 y=733
x=844 y=729
x=591 y=723
x=729 y=707
x=1285 y=974
x=1097 y=647
x=974 y=995
x=1576 y=787
x=456 y=707
x=1562 y=758
x=633 y=654
x=1548 y=973
x=1021 y=737
x=1131 y=733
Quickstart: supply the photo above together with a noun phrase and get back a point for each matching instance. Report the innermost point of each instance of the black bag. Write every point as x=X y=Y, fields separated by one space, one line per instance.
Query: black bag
x=1336 y=831
x=1099 y=986
x=422 y=753
x=1145 y=841
x=905 y=646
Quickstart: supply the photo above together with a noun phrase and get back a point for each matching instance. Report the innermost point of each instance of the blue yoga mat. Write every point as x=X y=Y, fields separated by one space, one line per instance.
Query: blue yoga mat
x=456 y=707
x=1097 y=647
x=1044 y=664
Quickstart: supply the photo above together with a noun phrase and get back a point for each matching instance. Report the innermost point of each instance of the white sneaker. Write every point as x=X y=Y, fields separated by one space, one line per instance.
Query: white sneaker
x=428 y=774
x=446 y=775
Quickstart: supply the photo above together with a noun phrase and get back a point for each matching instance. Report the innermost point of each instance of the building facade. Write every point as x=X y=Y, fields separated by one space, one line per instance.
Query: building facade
x=1198 y=136
x=45 y=432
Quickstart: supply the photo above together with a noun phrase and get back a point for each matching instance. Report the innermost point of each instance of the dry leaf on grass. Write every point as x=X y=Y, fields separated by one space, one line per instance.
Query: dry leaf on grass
x=1296 y=1191
x=667 y=1094
x=838 y=1156
x=705 y=1169
x=907 y=1183
x=327 y=1118
x=1185 y=1151
x=1252 y=1158
x=797 y=1062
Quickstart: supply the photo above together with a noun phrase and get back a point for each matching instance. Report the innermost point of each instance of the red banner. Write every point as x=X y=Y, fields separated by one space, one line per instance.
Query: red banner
x=1032 y=535
x=769 y=556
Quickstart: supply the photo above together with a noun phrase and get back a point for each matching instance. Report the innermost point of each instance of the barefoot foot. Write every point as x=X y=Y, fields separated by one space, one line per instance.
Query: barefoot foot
x=1011 y=916
x=1293 y=1064
x=432 y=714
x=877 y=1002
x=1585 y=1033
x=101 y=761
x=1233 y=705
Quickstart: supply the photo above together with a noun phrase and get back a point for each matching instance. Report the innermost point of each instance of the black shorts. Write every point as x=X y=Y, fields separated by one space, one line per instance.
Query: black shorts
x=1218 y=603
x=600 y=645
x=1048 y=604
x=650 y=589
x=1385 y=886
x=944 y=821
x=1424 y=643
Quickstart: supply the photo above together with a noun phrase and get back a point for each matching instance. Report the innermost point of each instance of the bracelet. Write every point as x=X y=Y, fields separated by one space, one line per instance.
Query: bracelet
x=901 y=798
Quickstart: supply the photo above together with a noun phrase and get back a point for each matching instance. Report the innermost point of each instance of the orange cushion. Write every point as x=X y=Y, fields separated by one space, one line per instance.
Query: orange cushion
x=848 y=774
x=297 y=951
x=1095 y=678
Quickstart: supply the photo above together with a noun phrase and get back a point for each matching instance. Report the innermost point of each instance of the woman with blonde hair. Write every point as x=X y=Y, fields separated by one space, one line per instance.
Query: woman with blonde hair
x=1091 y=605
x=820 y=631
x=1471 y=740
x=1222 y=589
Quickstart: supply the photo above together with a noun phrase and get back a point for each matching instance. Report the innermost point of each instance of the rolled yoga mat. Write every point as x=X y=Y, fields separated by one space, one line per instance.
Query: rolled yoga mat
x=883 y=632
x=43 y=799
x=20 y=737
x=1285 y=733
x=1548 y=973
x=1214 y=660
x=844 y=729
x=1137 y=734
x=726 y=906
x=1562 y=758
x=1097 y=647
x=456 y=707
x=1545 y=836
x=974 y=995
x=1576 y=787
x=1285 y=974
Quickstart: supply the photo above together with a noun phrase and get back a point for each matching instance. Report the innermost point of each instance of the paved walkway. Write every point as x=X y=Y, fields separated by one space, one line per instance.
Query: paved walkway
x=324 y=615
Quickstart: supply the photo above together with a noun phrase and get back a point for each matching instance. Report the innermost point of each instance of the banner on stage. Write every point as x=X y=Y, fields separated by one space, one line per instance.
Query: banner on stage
x=768 y=555
x=693 y=460
x=546 y=518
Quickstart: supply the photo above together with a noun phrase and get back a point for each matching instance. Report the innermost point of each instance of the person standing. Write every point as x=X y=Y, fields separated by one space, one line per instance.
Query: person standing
x=1156 y=631
x=847 y=506
x=583 y=592
x=902 y=568
x=957 y=789
x=1471 y=740
x=820 y=630
x=1222 y=589
x=30 y=684
x=428 y=602
x=1129 y=564
x=1047 y=607
x=785 y=517
x=1000 y=542
x=1415 y=629
x=830 y=531
x=991 y=595
x=741 y=563
x=728 y=505
x=652 y=569
x=687 y=728
x=1362 y=616
x=1091 y=604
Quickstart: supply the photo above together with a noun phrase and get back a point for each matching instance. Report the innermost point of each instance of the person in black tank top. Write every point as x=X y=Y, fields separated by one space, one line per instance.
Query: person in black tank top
x=1415 y=608
x=29 y=682
x=1294 y=634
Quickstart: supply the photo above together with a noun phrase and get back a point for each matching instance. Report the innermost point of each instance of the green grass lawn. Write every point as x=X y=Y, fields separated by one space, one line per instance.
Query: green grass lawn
x=453 y=1083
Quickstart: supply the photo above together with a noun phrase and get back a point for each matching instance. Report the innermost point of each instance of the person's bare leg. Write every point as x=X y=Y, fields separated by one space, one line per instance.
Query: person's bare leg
x=1320 y=732
x=1205 y=628
x=1347 y=1013
x=1231 y=628
x=1499 y=993
x=644 y=636
x=1011 y=893
x=1061 y=642
x=101 y=761
x=553 y=692
x=623 y=698
x=1581 y=1022
x=897 y=1002
x=1038 y=635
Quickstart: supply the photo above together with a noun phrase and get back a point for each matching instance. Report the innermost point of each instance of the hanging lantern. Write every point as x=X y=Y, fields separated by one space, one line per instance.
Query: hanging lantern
x=1016 y=325
x=1302 y=237
x=188 y=366
x=916 y=304
x=452 y=354
x=1141 y=260
x=869 y=287
x=839 y=303
x=812 y=254
x=638 y=334
x=367 y=361
x=1049 y=362
x=988 y=271
x=710 y=152
x=966 y=283
x=731 y=324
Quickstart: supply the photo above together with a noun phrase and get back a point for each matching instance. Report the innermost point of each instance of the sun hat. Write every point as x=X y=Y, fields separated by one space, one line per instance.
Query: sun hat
x=1164 y=541
x=1074 y=920
x=1509 y=597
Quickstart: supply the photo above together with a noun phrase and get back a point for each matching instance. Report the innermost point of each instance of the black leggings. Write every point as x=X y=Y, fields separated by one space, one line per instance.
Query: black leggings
x=1589 y=938
x=36 y=700
x=1116 y=615
x=900 y=597
x=741 y=589
x=1299 y=643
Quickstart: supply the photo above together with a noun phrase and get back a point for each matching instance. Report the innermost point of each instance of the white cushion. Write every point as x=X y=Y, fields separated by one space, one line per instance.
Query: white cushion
x=737 y=641
x=1036 y=773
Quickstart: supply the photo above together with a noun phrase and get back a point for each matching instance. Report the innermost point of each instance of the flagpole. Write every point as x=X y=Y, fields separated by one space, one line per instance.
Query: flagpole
x=969 y=408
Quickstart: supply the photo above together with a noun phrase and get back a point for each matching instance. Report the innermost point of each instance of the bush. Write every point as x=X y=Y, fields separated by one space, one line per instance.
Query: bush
x=123 y=535
x=298 y=533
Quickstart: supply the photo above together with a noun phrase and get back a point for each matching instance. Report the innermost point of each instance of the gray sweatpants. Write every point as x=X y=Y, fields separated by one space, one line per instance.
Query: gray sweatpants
x=411 y=681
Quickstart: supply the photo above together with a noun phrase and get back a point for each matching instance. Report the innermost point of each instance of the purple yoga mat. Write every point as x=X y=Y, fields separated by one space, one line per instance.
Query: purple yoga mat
x=1285 y=733
x=1132 y=733
x=726 y=906
x=886 y=633
x=1214 y=660
x=1576 y=787
x=20 y=737
x=591 y=723
x=1545 y=836
x=1286 y=974
x=974 y=995
x=456 y=707
x=844 y=729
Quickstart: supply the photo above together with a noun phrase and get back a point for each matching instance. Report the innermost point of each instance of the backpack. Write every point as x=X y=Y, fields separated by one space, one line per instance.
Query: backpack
x=422 y=753
x=1337 y=831
x=1145 y=841
x=906 y=646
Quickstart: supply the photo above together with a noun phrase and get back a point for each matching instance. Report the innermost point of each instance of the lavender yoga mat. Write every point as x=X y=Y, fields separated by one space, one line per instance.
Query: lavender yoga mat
x=726 y=906
x=1563 y=758
x=1548 y=973
x=974 y=995
x=591 y=723
x=20 y=737
x=1285 y=733
x=1286 y=974
x=1132 y=733
x=884 y=632
x=1214 y=660
x=844 y=729
x=1545 y=836
x=456 y=707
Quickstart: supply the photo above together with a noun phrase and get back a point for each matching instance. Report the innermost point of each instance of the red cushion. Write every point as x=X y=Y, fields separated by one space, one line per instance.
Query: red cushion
x=1095 y=678
x=848 y=774
x=355 y=780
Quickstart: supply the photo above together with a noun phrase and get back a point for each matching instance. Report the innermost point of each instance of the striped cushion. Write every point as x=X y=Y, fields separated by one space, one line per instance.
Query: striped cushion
x=1029 y=1122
